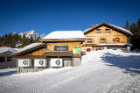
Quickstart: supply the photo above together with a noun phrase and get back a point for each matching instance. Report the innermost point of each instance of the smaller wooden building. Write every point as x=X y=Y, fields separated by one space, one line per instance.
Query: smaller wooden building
x=58 y=49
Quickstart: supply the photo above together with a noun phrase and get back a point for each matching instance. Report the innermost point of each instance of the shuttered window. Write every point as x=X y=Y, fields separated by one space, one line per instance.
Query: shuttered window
x=117 y=40
x=89 y=40
x=102 y=40
x=98 y=31
x=107 y=31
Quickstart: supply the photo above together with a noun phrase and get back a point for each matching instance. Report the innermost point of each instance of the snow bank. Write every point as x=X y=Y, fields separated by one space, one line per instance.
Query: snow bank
x=103 y=71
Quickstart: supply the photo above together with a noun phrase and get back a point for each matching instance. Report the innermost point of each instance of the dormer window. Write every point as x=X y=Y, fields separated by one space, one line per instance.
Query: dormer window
x=98 y=31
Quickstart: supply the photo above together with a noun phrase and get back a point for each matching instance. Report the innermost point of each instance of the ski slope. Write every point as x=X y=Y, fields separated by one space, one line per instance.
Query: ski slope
x=106 y=71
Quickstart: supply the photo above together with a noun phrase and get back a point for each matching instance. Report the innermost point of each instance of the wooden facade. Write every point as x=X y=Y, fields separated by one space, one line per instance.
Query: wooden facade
x=37 y=52
x=70 y=45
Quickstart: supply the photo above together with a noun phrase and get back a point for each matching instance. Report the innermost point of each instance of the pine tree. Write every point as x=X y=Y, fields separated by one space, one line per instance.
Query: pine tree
x=127 y=25
x=23 y=40
x=31 y=40
x=138 y=33
x=138 y=27
x=38 y=39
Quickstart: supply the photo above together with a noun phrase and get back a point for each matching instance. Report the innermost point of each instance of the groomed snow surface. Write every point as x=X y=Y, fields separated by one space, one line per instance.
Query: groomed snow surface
x=105 y=71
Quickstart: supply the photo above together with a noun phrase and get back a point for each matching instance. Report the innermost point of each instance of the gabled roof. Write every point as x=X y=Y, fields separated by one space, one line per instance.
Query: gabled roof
x=7 y=49
x=125 y=31
x=65 y=35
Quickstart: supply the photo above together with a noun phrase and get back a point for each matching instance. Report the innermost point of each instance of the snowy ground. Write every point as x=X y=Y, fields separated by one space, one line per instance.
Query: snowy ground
x=106 y=71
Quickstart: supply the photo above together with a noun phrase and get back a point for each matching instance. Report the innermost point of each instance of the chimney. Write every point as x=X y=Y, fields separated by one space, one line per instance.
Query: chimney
x=93 y=26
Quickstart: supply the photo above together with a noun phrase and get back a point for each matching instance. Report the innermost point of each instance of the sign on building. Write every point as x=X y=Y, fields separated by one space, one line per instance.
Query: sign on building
x=56 y=62
x=60 y=48
x=76 y=51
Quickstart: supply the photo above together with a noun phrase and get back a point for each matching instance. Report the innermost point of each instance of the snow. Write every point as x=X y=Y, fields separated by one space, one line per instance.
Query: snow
x=65 y=35
x=29 y=47
x=7 y=49
x=103 y=71
x=122 y=28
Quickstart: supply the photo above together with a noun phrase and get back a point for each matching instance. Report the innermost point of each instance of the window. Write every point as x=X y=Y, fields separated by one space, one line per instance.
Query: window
x=103 y=40
x=89 y=40
x=107 y=31
x=117 y=39
x=2 y=59
x=9 y=59
x=98 y=31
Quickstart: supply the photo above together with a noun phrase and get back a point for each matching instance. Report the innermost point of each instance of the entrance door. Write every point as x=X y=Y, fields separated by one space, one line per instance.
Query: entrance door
x=88 y=50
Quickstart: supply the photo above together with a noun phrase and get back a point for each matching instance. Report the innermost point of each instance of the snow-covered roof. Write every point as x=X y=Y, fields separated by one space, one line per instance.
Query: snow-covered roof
x=65 y=35
x=115 y=44
x=7 y=49
x=29 y=47
x=121 y=28
x=110 y=25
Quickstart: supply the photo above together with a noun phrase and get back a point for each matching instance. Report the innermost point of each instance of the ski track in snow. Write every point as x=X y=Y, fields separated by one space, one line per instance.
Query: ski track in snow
x=100 y=72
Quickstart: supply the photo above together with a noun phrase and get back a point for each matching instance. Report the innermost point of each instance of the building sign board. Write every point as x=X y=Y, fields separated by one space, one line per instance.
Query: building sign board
x=60 y=48
x=56 y=62
x=76 y=51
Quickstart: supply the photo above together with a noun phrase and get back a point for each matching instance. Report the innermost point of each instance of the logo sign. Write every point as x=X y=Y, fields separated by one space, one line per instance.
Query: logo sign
x=41 y=62
x=25 y=62
x=60 y=48
x=76 y=51
x=56 y=62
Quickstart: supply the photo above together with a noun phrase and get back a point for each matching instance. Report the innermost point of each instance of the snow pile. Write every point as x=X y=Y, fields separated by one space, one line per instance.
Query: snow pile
x=65 y=35
x=96 y=55
x=104 y=71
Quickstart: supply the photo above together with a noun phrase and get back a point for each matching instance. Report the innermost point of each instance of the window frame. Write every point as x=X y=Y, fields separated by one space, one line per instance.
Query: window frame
x=102 y=40
x=118 y=39
x=98 y=30
x=106 y=31
x=10 y=59
x=90 y=40
x=1 y=59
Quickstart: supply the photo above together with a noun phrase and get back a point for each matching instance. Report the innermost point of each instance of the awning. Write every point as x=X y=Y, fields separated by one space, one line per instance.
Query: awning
x=58 y=53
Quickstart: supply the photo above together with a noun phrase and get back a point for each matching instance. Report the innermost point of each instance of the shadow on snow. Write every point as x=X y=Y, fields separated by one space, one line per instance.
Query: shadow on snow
x=7 y=73
x=131 y=64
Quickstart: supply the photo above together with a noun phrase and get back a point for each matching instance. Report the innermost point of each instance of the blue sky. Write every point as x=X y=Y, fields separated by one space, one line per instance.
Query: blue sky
x=45 y=16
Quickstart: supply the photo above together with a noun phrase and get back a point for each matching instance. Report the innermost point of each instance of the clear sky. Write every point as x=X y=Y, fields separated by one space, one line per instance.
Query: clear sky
x=45 y=16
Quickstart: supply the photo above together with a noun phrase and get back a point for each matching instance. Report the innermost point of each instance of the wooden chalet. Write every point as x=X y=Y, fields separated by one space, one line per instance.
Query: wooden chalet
x=106 y=36
x=58 y=49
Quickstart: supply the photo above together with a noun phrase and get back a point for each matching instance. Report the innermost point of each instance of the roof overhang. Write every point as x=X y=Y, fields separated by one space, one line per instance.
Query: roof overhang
x=57 y=53
x=108 y=25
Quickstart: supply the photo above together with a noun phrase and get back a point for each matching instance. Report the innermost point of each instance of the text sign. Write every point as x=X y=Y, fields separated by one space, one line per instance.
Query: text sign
x=60 y=48
x=76 y=51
